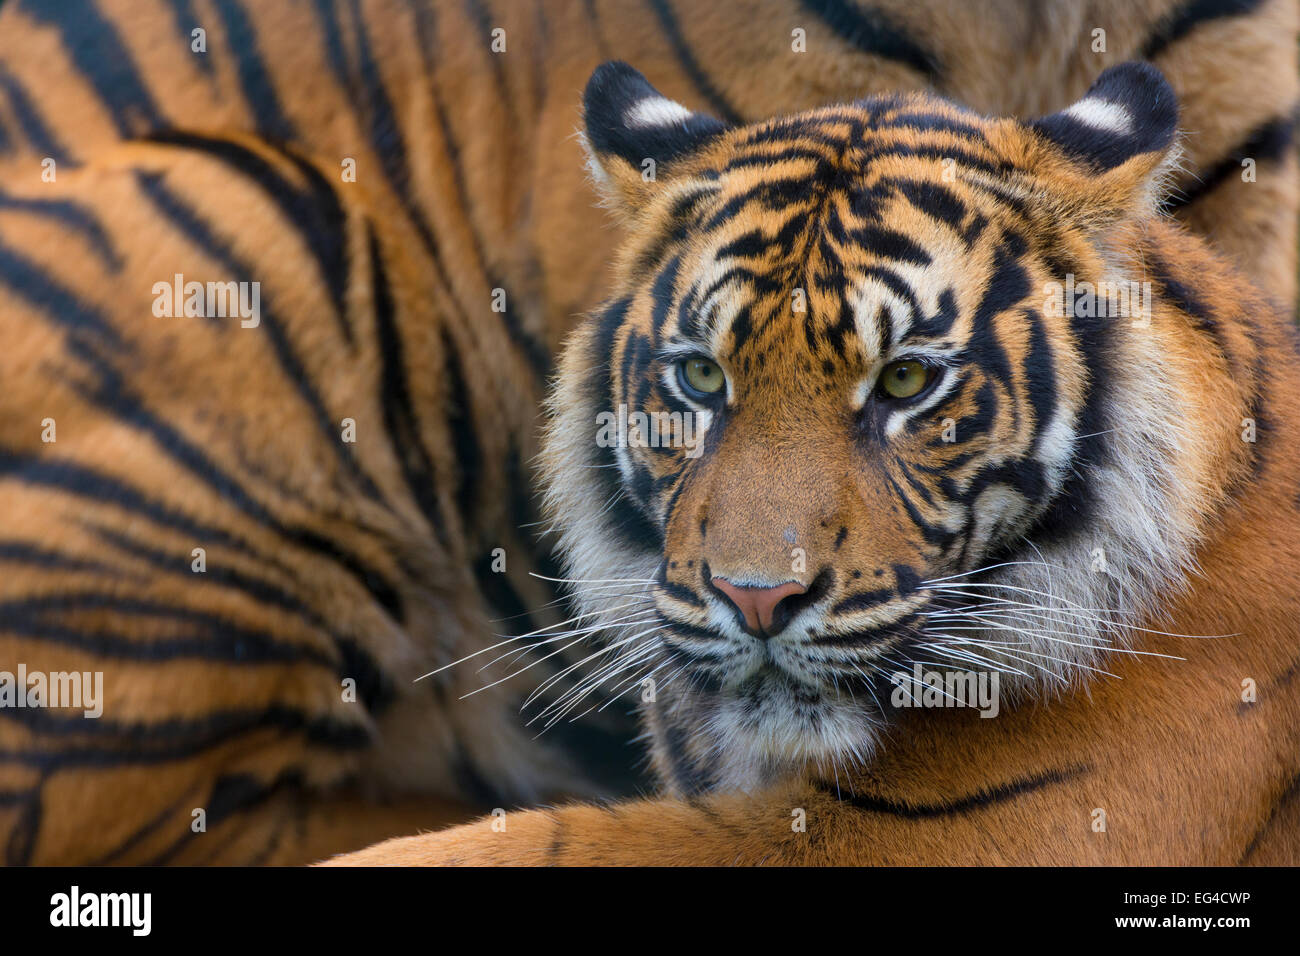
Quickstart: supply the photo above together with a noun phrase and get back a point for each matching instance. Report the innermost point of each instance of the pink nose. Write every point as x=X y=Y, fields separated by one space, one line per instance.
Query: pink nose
x=757 y=605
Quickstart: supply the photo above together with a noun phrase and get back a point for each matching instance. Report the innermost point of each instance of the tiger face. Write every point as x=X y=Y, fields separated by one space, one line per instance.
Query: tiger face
x=837 y=418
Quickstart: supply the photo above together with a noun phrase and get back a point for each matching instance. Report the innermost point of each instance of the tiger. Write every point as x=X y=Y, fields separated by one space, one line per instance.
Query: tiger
x=921 y=466
x=282 y=286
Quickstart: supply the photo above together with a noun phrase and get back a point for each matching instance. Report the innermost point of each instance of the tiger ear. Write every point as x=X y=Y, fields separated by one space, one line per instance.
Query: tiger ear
x=1115 y=146
x=635 y=135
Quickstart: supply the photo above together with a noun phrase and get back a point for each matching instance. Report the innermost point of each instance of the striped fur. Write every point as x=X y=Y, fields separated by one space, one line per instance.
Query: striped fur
x=329 y=560
x=917 y=229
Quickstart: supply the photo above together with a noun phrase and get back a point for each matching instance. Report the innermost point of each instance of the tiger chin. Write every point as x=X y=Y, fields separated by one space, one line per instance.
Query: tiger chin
x=910 y=451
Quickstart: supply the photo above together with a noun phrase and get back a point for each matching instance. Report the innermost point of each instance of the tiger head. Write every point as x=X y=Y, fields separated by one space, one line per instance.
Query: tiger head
x=836 y=418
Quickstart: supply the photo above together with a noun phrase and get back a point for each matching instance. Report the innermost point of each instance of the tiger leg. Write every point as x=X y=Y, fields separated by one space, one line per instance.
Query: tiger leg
x=1167 y=766
x=1278 y=843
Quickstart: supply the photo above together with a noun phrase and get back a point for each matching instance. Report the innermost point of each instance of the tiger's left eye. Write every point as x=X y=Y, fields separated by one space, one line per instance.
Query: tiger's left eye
x=701 y=376
x=904 y=379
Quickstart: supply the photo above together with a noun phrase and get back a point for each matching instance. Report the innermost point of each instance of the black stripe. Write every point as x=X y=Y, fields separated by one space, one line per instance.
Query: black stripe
x=211 y=637
x=43 y=140
x=470 y=783
x=113 y=394
x=1187 y=300
x=889 y=244
x=389 y=144
x=74 y=216
x=96 y=49
x=234 y=794
x=22 y=838
x=75 y=479
x=484 y=22
x=1268 y=142
x=31 y=556
x=900 y=288
x=1039 y=370
x=661 y=295
x=464 y=435
x=621 y=516
x=872 y=32
x=862 y=601
x=978 y=422
x=785 y=193
x=936 y=535
x=684 y=771
x=979 y=800
x=678 y=591
x=535 y=351
x=673 y=229
x=165 y=741
x=94 y=486
x=374 y=689
x=400 y=421
x=1094 y=338
x=148 y=829
x=185 y=20
x=940 y=324
x=1186 y=17
x=315 y=212
x=502 y=597
x=335 y=54
x=770 y=157
x=188 y=221
x=428 y=44
x=259 y=92
x=56 y=302
x=237 y=792
x=1291 y=792
x=1007 y=287
x=935 y=200
x=682 y=50
x=928 y=121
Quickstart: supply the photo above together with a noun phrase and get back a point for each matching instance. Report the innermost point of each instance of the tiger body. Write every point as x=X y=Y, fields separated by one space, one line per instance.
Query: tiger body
x=326 y=559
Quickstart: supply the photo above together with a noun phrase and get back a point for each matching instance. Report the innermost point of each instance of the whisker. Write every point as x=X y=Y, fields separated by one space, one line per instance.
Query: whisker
x=519 y=637
x=607 y=649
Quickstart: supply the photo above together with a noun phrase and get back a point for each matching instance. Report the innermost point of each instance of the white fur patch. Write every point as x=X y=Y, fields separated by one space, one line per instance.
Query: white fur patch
x=656 y=111
x=1104 y=115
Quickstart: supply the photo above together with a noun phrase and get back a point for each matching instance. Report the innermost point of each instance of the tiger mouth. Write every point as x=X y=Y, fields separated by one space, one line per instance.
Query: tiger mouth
x=740 y=669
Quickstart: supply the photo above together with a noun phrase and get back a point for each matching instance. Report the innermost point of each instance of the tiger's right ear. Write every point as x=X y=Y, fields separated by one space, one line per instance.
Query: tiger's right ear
x=1109 y=155
x=635 y=134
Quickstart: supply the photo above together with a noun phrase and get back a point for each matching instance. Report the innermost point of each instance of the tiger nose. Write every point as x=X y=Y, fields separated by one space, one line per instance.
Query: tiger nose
x=758 y=605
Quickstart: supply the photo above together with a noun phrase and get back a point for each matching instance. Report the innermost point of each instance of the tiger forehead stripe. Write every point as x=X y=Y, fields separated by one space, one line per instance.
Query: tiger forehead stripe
x=773 y=256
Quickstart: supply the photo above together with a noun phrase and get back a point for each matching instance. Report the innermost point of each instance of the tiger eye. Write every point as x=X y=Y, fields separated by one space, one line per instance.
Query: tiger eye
x=904 y=379
x=702 y=375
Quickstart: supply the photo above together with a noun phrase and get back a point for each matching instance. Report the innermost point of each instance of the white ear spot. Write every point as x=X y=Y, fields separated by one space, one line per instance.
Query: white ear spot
x=656 y=111
x=1102 y=114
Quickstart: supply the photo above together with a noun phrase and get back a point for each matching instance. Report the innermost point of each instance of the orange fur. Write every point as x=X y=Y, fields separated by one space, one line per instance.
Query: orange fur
x=320 y=577
x=1182 y=767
